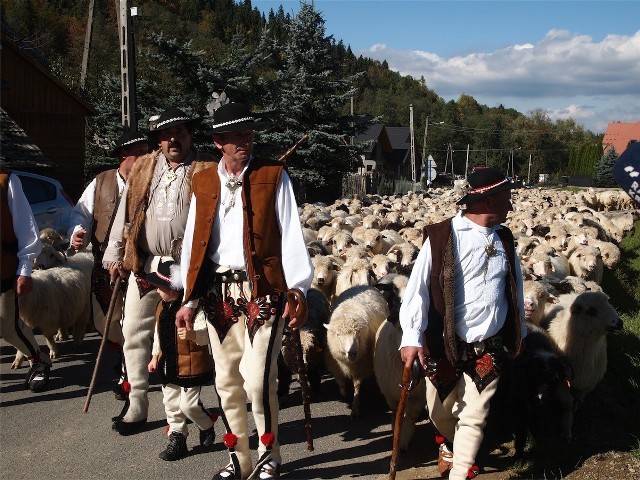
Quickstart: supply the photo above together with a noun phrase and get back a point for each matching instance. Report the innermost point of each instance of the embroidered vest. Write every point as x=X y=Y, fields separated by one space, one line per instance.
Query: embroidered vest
x=104 y=209
x=441 y=337
x=261 y=237
x=138 y=201
x=9 y=242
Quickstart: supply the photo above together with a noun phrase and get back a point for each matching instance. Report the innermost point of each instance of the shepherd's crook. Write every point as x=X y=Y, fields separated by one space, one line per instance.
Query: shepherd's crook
x=105 y=334
x=410 y=378
x=298 y=309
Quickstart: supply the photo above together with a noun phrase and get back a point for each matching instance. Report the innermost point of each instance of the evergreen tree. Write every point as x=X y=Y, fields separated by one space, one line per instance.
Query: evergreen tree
x=309 y=100
x=604 y=177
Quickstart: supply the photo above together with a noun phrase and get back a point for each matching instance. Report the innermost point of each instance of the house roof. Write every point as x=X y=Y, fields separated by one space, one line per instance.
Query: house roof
x=17 y=150
x=400 y=138
x=12 y=40
x=618 y=135
x=376 y=134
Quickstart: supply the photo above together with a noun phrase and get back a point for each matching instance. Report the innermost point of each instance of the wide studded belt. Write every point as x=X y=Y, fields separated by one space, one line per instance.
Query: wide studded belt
x=230 y=276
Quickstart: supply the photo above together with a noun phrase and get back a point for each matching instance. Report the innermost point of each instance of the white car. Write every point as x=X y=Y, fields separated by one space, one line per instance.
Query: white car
x=50 y=204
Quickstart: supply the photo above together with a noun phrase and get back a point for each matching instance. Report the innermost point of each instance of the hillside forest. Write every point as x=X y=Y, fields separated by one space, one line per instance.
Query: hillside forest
x=301 y=79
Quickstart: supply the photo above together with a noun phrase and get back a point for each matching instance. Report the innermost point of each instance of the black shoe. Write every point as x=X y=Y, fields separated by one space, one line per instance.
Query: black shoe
x=207 y=437
x=176 y=449
x=38 y=377
x=128 y=428
x=226 y=473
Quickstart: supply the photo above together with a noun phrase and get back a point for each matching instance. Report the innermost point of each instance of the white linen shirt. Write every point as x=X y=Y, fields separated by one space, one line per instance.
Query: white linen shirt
x=82 y=213
x=226 y=245
x=24 y=226
x=480 y=303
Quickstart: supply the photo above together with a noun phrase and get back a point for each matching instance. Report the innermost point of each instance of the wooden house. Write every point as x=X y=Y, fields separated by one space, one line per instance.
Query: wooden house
x=50 y=114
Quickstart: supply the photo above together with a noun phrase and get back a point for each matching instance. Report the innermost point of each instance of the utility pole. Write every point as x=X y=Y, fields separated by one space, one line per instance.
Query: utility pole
x=413 y=145
x=87 y=46
x=466 y=166
x=529 y=173
x=127 y=66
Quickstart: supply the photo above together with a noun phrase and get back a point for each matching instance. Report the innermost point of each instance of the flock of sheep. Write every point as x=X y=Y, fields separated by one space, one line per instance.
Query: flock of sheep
x=363 y=250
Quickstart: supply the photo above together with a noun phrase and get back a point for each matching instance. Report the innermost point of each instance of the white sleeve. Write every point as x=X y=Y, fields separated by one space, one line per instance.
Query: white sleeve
x=24 y=227
x=155 y=347
x=414 y=311
x=298 y=269
x=187 y=241
x=82 y=213
x=200 y=328
x=115 y=247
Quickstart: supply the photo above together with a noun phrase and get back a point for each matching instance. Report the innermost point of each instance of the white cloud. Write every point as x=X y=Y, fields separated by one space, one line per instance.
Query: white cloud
x=551 y=74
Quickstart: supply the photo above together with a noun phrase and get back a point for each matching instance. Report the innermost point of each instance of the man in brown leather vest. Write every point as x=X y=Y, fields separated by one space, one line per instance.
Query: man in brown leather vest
x=243 y=251
x=91 y=221
x=463 y=310
x=19 y=248
x=150 y=220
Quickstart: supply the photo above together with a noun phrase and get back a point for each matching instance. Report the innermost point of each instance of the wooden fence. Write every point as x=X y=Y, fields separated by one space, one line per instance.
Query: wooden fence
x=354 y=184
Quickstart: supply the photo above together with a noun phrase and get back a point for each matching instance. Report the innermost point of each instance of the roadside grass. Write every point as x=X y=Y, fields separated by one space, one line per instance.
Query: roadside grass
x=609 y=419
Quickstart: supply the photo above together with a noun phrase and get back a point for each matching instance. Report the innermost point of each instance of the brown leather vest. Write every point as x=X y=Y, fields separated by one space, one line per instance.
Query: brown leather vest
x=441 y=337
x=262 y=240
x=9 y=242
x=104 y=208
x=182 y=362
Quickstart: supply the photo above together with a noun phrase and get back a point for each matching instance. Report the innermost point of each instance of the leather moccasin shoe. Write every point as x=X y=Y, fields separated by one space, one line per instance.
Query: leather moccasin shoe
x=445 y=460
x=128 y=428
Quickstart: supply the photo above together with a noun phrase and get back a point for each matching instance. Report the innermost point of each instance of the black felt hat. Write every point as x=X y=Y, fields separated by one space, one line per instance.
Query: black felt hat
x=172 y=117
x=234 y=117
x=126 y=139
x=482 y=183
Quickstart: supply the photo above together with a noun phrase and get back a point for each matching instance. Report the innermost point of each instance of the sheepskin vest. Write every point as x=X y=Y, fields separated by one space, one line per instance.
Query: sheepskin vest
x=181 y=362
x=138 y=200
x=105 y=206
x=441 y=337
x=261 y=239
x=9 y=244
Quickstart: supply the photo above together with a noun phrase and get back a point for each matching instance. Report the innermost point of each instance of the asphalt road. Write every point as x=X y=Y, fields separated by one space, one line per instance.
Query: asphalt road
x=47 y=435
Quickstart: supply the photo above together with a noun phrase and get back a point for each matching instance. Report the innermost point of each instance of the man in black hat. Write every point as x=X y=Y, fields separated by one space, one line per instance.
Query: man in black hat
x=243 y=253
x=150 y=219
x=463 y=309
x=94 y=213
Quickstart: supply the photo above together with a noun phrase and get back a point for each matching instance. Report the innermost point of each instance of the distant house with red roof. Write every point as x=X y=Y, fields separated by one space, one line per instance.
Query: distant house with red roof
x=619 y=135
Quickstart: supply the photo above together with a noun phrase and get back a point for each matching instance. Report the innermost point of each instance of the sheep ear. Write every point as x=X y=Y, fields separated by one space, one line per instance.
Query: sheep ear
x=552 y=299
x=327 y=326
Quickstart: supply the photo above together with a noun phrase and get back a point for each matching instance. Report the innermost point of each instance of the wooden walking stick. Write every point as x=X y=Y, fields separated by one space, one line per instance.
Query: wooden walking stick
x=397 y=427
x=105 y=334
x=298 y=309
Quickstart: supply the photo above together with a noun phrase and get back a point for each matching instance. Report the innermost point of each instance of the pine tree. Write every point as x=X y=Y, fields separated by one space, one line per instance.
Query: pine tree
x=604 y=176
x=310 y=99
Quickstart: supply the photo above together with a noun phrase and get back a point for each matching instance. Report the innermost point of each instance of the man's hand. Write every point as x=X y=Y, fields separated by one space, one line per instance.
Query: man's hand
x=184 y=334
x=77 y=239
x=116 y=270
x=23 y=285
x=407 y=354
x=296 y=301
x=184 y=318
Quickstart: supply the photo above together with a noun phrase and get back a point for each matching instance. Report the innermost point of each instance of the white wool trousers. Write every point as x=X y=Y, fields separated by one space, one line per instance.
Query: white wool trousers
x=182 y=403
x=461 y=419
x=247 y=372
x=14 y=330
x=137 y=328
x=100 y=319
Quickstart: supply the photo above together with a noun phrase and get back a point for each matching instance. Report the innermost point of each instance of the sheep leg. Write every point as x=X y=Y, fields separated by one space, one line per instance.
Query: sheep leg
x=53 y=347
x=79 y=329
x=17 y=362
x=355 y=405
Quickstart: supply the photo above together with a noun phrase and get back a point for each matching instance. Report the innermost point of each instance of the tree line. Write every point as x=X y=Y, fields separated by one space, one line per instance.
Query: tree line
x=303 y=80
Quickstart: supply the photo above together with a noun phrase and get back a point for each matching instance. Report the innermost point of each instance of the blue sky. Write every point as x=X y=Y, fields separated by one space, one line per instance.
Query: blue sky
x=575 y=59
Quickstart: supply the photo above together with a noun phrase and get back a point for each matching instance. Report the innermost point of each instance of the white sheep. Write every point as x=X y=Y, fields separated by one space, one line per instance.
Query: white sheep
x=355 y=272
x=579 y=325
x=325 y=268
x=388 y=367
x=586 y=262
x=536 y=298
x=60 y=299
x=358 y=313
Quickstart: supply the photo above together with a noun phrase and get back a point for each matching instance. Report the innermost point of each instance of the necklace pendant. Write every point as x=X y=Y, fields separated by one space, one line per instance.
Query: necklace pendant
x=490 y=250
